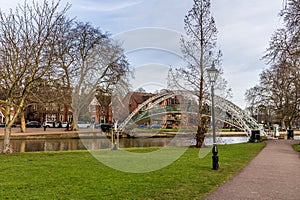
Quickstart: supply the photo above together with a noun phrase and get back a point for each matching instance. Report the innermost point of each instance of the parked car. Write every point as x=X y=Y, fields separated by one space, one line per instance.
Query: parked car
x=82 y=124
x=50 y=124
x=142 y=126
x=33 y=124
x=103 y=127
x=2 y=124
x=64 y=124
x=155 y=126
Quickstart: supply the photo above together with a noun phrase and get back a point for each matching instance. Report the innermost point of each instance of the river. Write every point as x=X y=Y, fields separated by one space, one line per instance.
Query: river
x=83 y=144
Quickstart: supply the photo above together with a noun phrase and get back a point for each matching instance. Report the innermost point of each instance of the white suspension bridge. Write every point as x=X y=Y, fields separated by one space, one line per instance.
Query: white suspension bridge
x=236 y=116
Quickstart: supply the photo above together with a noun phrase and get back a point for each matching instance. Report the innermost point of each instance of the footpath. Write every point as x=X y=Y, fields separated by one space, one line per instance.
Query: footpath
x=273 y=174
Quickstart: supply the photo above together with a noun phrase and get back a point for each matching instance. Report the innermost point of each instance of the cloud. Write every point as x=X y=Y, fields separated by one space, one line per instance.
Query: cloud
x=151 y=76
x=107 y=6
x=11 y=4
x=245 y=28
x=146 y=37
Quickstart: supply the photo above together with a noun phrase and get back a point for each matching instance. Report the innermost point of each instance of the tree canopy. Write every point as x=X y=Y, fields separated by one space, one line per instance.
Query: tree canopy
x=279 y=87
x=47 y=57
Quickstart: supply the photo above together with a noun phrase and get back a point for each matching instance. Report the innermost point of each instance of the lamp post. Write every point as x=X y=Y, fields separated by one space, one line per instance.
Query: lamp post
x=213 y=74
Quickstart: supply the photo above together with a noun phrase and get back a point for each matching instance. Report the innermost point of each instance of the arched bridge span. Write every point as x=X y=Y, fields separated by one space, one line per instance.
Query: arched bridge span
x=237 y=116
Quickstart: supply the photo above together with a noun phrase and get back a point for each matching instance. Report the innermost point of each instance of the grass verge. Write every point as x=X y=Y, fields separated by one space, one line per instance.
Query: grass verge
x=78 y=175
x=296 y=147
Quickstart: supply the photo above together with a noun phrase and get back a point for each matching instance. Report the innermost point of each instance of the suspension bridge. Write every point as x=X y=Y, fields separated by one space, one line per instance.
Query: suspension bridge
x=187 y=105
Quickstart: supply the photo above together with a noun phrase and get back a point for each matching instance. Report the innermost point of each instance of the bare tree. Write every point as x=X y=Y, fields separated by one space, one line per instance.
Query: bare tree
x=291 y=16
x=199 y=50
x=27 y=54
x=279 y=85
x=277 y=92
x=98 y=62
x=141 y=90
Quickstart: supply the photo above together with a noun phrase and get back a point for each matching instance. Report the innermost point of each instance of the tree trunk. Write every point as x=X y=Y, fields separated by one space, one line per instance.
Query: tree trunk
x=201 y=125
x=7 y=148
x=23 y=123
x=200 y=130
x=75 y=121
x=283 y=125
x=200 y=136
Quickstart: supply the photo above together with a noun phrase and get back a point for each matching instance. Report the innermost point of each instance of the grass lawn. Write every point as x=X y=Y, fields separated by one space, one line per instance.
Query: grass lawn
x=162 y=130
x=297 y=147
x=78 y=175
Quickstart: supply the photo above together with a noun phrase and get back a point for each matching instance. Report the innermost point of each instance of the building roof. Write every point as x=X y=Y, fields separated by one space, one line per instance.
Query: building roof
x=140 y=97
x=95 y=102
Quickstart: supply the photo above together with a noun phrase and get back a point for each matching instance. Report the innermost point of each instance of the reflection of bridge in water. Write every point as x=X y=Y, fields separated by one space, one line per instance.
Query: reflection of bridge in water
x=226 y=111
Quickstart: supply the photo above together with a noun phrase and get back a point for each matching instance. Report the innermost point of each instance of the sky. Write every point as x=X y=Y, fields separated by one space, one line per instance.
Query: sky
x=149 y=31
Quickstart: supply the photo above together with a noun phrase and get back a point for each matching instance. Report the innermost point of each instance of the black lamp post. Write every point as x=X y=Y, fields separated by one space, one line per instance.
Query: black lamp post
x=213 y=74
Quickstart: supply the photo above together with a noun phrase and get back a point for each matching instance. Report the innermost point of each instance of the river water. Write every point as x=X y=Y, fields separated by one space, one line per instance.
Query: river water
x=82 y=144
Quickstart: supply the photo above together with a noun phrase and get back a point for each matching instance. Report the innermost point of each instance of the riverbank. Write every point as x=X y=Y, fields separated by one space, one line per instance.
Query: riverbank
x=39 y=133
x=60 y=133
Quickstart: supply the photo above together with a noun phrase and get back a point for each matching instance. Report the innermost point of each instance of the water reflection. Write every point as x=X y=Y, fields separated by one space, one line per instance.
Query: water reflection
x=46 y=145
x=78 y=144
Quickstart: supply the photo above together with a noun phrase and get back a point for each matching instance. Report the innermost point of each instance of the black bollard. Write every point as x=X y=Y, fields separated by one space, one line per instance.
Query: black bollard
x=290 y=134
x=255 y=136
x=215 y=157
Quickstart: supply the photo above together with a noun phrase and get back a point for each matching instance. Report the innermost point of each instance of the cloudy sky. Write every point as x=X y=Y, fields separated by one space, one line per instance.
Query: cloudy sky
x=149 y=31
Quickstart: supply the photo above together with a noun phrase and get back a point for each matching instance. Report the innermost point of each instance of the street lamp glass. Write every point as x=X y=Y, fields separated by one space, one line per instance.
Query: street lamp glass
x=212 y=73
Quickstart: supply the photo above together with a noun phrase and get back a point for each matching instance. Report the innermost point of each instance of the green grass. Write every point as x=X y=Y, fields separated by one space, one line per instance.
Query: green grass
x=78 y=175
x=164 y=130
x=229 y=130
x=155 y=130
x=296 y=147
